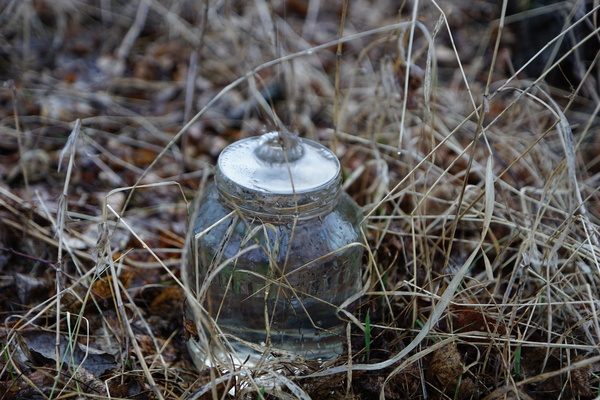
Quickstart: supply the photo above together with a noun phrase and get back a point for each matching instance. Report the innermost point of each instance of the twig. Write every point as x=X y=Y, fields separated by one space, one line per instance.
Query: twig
x=338 y=65
x=23 y=164
x=132 y=34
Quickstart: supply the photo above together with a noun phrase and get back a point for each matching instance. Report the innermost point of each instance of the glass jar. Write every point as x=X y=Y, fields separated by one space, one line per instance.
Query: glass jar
x=276 y=250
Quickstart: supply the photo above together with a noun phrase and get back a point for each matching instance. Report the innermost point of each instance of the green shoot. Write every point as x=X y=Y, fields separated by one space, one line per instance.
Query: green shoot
x=368 y=335
x=10 y=369
x=456 y=390
x=518 y=363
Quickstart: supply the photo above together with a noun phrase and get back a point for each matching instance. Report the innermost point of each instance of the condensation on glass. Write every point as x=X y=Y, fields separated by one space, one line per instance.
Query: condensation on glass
x=276 y=250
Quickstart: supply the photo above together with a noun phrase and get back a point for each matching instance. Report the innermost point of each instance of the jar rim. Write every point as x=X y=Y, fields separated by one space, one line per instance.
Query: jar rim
x=302 y=183
x=259 y=164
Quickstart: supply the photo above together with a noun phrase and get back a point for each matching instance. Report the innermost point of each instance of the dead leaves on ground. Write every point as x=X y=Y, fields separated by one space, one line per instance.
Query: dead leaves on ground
x=93 y=349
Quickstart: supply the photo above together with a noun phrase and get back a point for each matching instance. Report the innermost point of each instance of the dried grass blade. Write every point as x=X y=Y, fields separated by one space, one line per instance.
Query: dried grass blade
x=123 y=313
x=566 y=138
x=489 y=209
x=61 y=216
x=407 y=74
x=429 y=69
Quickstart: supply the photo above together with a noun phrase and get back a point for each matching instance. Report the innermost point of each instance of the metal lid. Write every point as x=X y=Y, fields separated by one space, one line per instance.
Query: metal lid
x=279 y=175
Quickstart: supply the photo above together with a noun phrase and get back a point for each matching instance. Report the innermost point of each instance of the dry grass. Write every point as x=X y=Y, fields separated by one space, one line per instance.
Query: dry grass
x=474 y=156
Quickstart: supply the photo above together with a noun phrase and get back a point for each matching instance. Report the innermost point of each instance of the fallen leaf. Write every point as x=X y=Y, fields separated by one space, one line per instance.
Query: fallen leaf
x=469 y=319
x=39 y=347
x=168 y=303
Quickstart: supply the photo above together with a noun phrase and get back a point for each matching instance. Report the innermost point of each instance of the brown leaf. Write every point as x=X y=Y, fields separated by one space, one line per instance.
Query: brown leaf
x=150 y=347
x=129 y=387
x=168 y=303
x=103 y=287
x=468 y=319
x=190 y=330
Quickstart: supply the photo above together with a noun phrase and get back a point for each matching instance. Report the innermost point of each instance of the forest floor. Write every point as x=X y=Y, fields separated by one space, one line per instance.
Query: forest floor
x=474 y=155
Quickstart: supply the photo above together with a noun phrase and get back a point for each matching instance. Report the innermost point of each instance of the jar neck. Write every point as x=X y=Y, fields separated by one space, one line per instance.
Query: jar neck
x=276 y=207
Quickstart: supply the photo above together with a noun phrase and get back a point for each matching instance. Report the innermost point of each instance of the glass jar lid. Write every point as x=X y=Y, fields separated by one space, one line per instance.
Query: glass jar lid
x=279 y=175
